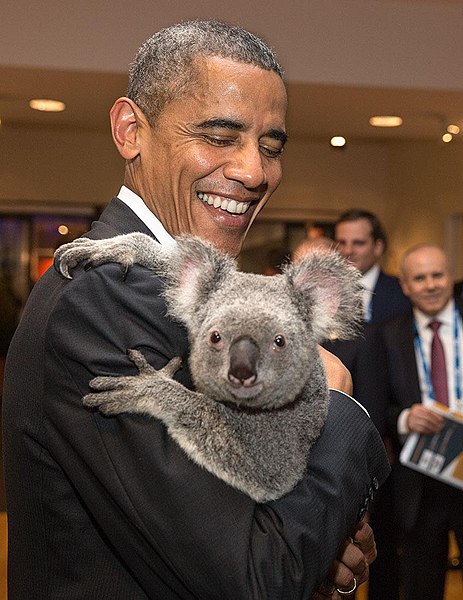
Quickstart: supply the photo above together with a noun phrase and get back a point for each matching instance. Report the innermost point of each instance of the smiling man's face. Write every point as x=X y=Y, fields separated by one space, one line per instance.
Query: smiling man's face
x=426 y=279
x=212 y=158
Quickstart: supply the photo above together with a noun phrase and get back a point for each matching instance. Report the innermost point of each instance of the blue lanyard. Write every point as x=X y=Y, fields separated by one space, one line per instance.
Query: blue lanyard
x=456 y=343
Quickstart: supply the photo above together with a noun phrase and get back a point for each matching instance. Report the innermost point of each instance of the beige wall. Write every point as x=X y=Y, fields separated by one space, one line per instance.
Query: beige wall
x=57 y=166
x=415 y=187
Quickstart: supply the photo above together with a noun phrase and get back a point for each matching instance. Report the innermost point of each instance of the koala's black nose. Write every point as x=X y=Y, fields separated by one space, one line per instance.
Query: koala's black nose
x=244 y=353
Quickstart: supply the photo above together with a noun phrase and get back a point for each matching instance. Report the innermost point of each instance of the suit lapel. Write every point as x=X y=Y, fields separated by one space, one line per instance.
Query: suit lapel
x=116 y=219
x=405 y=338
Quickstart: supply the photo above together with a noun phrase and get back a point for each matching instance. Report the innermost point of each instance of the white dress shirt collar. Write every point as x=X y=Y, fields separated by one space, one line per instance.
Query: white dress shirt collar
x=369 y=279
x=135 y=203
x=445 y=316
x=368 y=282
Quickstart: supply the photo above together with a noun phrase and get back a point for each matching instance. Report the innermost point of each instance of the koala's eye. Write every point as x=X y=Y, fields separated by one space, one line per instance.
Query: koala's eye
x=279 y=342
x=215 y=337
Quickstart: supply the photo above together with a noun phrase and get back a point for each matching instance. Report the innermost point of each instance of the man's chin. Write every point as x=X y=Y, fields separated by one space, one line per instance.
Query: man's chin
x=227 y=232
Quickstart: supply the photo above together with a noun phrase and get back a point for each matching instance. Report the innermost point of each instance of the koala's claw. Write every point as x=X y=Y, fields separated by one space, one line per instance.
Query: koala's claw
x=107 y=383
x=140 y=362
x=125 y=271
x=172 y=367
x=63 y=269
x=145 y=368
x=69 y=255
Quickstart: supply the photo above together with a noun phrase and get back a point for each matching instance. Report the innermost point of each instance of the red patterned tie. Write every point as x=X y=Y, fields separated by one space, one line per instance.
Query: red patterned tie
x=438 y=369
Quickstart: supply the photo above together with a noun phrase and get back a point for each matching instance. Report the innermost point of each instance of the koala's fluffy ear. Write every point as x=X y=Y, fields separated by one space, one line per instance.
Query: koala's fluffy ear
x=196 y=269
x=328 y=292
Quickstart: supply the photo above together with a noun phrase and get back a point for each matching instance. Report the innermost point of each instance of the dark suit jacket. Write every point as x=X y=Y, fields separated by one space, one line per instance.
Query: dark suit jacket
x=458 y=290
x=388 y=299
x=111 y=508
x=404 y=390
x=363 y=356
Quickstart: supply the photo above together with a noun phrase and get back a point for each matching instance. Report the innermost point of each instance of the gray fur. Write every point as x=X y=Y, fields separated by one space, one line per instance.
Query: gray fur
x=259 y=404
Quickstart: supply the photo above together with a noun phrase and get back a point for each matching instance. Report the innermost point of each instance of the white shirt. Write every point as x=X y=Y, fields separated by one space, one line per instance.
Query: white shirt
x=135 y=203
x=446 y=333
x=368 y=281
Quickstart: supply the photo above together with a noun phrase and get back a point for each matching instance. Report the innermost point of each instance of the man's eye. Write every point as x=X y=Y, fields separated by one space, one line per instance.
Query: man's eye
x=215 y=141
x=271 y=152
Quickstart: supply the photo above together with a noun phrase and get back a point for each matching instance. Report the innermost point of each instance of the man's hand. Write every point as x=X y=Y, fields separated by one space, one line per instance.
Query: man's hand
x=424 y=420
x=337 y=375
x=353 y=561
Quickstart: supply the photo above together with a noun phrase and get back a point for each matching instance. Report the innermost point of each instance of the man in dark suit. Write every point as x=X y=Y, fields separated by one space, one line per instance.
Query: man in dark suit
x=111 y=508
x=426 y=508
x=361 y=239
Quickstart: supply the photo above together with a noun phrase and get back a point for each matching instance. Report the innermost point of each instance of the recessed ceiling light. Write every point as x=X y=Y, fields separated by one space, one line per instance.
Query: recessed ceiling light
x=47 y=105
x=447 y=137
x=338 y=141
x=386 y=121
x=453 y=129
x=63 y=229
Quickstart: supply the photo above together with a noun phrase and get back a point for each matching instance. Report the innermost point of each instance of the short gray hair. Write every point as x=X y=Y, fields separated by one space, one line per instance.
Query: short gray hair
x=163 y=68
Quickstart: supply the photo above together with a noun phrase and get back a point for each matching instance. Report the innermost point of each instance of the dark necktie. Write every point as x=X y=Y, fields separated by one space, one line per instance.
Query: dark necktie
x=438 y=368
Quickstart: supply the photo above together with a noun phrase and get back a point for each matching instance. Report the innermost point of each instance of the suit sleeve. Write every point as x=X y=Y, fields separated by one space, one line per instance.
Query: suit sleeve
x=179 y=531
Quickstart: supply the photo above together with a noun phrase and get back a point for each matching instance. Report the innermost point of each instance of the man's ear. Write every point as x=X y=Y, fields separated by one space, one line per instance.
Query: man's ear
x=379 y=249
x=126 y=119
x=404 y=286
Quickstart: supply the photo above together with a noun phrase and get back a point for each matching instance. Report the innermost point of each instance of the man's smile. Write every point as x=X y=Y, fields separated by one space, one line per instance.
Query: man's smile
x=231 y=206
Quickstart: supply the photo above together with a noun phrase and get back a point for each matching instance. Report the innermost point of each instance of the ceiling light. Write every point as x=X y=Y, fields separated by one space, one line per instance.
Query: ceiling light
x=338 y=141
x=47 y=105
x=447 y=137
x=386 y=121
x=453 y=129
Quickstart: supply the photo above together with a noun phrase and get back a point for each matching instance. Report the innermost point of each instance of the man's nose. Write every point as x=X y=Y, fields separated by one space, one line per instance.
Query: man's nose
x=346 y=249
x=246 y=166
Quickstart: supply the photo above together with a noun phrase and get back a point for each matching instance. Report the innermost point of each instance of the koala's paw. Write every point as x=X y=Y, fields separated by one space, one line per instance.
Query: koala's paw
x=122 y=249
x=114 y=395
x=145 y=369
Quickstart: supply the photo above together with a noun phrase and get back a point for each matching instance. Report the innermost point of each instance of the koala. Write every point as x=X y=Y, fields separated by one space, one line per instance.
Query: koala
x=261 y=397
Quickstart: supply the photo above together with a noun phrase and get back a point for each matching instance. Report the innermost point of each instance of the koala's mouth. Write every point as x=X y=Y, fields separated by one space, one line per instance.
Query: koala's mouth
x=246 y=393
x=231 y=206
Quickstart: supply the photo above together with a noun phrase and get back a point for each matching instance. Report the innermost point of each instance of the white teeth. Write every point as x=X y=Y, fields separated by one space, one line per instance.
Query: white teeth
x=231 y=206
